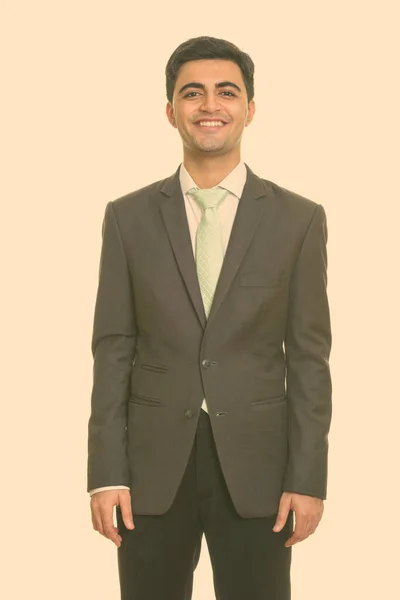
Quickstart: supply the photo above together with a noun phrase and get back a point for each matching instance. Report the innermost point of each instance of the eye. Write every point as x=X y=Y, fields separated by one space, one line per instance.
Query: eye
x=191 y=94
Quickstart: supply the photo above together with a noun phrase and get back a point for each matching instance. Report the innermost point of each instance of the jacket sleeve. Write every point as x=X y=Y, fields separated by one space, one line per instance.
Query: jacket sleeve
x=113 y=349
x=307 y=348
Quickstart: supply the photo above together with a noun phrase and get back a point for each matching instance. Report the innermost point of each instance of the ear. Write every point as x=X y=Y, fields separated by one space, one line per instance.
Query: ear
x=170 y=114
x=251 y=112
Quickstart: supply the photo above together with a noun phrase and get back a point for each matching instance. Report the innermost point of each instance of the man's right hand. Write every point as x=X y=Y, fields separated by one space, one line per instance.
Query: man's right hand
x=102 y=507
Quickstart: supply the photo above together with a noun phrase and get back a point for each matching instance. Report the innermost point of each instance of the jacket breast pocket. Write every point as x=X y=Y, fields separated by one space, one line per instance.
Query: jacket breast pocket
x=260 y=279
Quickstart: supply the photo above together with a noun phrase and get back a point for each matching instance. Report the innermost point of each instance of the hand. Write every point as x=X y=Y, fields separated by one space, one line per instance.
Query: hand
x=308 y=513
x=102 y=506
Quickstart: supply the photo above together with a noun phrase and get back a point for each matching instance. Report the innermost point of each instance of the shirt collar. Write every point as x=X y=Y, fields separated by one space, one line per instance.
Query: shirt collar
x=234 y=182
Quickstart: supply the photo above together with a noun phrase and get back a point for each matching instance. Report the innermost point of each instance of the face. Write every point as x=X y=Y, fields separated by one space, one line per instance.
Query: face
x=210 y=108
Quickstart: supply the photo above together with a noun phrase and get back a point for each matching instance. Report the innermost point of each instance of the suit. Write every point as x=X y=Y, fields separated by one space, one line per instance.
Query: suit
x=261 y=359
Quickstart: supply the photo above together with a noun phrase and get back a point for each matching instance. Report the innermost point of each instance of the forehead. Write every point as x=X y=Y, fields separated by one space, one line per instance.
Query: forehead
x=209 y=72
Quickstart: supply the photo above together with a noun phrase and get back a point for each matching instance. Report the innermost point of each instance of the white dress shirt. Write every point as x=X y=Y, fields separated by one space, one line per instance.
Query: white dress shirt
x=234 y=182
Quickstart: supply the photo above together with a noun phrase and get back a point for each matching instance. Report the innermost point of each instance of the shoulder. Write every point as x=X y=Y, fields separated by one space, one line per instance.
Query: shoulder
x=292 y=205
x=289 y=198
x=139 y=196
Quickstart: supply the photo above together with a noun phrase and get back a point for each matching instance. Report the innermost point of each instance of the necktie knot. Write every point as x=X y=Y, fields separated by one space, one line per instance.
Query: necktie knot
x=208 y=197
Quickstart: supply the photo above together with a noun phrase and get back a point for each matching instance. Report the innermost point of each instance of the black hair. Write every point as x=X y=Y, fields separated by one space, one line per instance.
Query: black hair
x=208 y=48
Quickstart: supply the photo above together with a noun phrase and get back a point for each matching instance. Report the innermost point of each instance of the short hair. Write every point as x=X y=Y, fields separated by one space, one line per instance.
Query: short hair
x=208 y=48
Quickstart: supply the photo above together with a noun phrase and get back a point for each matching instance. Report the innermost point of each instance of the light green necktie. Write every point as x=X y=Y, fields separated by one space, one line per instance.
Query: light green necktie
x=209 y=242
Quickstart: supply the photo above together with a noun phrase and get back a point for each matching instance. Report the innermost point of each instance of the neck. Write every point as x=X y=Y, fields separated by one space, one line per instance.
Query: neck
x=207 y=171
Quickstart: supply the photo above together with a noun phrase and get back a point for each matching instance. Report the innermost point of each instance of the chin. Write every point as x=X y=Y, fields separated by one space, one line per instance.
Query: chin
x=211 y=146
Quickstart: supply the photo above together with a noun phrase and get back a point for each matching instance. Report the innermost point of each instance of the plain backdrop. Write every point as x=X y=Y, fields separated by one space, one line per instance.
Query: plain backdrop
x=83 y=122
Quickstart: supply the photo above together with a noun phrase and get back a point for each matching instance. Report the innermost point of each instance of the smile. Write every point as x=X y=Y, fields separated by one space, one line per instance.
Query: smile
x=210 y=125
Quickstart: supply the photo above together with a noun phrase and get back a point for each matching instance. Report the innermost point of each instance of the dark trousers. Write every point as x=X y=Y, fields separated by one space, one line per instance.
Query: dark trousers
x=156 y=560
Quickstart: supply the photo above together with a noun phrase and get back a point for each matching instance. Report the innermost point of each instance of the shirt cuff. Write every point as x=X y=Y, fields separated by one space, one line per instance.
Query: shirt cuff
x=108 y=487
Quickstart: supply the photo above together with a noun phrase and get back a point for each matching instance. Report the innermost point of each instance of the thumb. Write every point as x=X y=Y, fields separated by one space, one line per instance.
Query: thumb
x=284 y=507
x=126 y=511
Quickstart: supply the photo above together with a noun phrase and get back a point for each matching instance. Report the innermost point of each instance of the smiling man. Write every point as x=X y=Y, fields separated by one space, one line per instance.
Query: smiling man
x=211 y=400
x=210 y=109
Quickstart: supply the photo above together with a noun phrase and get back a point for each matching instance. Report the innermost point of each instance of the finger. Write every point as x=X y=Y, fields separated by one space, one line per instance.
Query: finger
x=300 y=533
x=126 y=511
x=299 y=530
x=103 y=515
x=294 y=539
x=110 y=531
x=98 y=525
x=96 y=519
x=283 y=513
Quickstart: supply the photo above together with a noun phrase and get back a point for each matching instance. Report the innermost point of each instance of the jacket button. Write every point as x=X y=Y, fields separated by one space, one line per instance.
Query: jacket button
x=189 y=413
x=206 y=363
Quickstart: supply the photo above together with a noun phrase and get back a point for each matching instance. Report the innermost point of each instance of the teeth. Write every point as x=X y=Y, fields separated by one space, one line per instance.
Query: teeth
x=210 y=123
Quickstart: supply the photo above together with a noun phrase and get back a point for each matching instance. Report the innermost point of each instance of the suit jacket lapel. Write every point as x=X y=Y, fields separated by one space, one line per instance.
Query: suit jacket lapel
x=247 y=219
x=248 y=216
x=175 y=220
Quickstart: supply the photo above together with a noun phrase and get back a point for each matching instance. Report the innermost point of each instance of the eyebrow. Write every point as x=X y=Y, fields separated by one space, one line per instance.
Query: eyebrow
x=220 y=84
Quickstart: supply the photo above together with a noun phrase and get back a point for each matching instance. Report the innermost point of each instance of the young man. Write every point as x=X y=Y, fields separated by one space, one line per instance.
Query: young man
x=211 y=401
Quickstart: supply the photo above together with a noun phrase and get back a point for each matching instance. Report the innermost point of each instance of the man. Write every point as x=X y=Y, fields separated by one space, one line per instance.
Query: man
x=211 y=399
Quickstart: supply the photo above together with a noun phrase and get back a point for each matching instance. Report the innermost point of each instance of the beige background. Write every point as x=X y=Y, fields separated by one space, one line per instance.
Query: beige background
x=83 y=122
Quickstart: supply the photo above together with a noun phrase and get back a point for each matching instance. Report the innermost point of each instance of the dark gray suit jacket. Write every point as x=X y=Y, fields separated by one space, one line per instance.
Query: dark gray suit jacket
x=261 y=359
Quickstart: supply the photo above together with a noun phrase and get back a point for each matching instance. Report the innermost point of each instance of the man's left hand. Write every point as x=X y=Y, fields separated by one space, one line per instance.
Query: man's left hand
x=308 y=512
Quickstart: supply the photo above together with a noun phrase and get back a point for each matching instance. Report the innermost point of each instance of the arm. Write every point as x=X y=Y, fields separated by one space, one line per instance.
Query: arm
x=113 y=349
x=307 y=347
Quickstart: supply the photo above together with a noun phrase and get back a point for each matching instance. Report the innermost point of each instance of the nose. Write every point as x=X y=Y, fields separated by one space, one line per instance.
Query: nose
x=210 y=103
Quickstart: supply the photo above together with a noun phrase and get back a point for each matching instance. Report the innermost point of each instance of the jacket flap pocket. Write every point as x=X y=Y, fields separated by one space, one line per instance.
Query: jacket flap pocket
x=137 y=398
x=268 y=401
